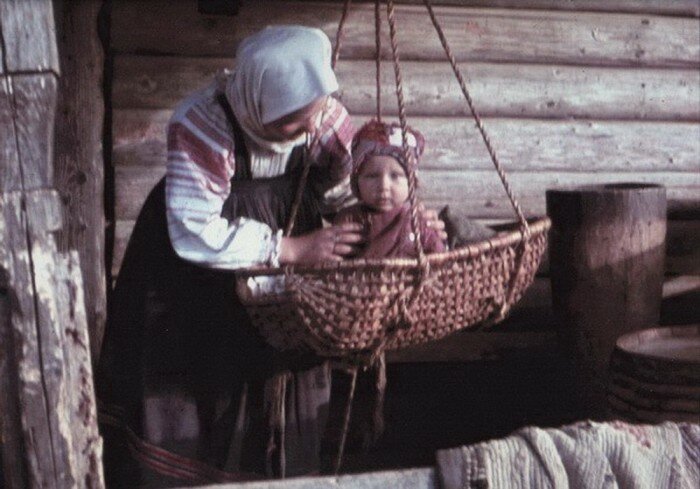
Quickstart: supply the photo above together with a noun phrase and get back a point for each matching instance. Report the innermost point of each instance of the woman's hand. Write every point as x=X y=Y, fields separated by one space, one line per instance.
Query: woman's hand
x=328 y=244
x=433 y=221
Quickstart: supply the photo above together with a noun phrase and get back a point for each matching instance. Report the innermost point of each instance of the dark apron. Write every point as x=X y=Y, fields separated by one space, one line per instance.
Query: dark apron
x=183 y=370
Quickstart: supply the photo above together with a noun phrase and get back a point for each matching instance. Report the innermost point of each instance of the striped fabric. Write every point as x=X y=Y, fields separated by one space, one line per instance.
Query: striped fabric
x=201 y=165
x=585 y=454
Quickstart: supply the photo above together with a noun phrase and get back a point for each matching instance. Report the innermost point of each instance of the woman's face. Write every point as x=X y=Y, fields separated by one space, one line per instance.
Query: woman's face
x=382 y=183
x=293 y=125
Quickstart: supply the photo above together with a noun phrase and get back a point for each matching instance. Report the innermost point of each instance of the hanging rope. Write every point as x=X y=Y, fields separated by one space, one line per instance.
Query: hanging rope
x=408 y=157
x=339 y=33
x=479 y=124
x=378 y=54
x=525 y=228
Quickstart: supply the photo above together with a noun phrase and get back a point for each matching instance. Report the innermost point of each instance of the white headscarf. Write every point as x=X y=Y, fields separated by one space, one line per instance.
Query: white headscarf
x=279 y=70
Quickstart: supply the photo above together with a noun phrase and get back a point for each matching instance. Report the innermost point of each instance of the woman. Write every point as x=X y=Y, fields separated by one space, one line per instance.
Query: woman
x=183 y=375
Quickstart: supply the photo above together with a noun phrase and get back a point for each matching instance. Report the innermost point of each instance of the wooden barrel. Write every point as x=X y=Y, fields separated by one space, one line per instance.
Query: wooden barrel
x=655 y=375
x=606 y=249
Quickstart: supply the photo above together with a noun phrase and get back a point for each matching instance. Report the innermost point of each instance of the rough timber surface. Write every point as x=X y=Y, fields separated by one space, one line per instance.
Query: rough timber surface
x=29 y=36
x=516 y=90
x=78 y=161
x=139 y=138
x=485 y=34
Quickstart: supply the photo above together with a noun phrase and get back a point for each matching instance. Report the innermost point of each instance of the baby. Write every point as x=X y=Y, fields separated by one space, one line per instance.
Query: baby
x=379 y=181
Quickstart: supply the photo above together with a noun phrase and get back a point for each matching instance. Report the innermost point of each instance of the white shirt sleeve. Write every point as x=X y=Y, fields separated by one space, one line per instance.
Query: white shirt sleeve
x=199 y=168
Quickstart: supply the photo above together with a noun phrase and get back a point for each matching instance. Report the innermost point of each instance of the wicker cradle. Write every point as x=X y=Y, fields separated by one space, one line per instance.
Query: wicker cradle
x=353 y=308
x=363 y=306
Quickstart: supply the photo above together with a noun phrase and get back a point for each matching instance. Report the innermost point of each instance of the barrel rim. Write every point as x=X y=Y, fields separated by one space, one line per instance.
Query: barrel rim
x=628 y=341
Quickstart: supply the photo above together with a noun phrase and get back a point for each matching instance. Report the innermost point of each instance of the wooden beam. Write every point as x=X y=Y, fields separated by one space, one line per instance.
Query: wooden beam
x=10 y=176
x=78 y=153
x=423 y=478
x=453 y=143
x=686 y=8
x=682 y=247
x=13 y=468
x=34 y=97
x=54 y=439
x=29 y=36
x=477 y=193
x=35 y=425
x=475 y=34
x=508 y=90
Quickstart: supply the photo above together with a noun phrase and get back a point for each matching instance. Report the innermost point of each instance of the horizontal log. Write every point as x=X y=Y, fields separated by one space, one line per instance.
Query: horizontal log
x=454 y=143
x=480 y=193
x=477 y=193
x=430 y=88
x=688 y=8
x=475 y=34
x=682 y=253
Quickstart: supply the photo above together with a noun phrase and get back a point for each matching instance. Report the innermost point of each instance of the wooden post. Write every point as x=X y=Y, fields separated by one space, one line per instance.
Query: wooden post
x=78 y=161
x=47 y=405
x=606 y=251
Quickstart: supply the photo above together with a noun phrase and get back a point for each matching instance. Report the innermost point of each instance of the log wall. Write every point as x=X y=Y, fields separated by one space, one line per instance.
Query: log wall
x=572 y=93
x=48 y=415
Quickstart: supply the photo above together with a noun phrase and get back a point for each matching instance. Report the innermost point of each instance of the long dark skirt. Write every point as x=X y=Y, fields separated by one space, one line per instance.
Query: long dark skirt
x=186 y=386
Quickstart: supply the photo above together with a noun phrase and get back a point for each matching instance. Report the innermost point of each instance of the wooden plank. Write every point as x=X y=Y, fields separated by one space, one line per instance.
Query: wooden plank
x=477 y=193
x=517 y=90
x=688 y=8
x=28 y=34
x=482 y=195
x=13 y=467
x=682 y=246
x=475 y=34
x=78 y=161
x=10 y=175
x=139 y=138
x=423 y=478
x=34 y=416
x=80 y=404
x=34 y=108
x=41 y=205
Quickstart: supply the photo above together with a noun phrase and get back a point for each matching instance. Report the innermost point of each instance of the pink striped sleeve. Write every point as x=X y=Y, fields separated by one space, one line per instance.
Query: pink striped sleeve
x=199 y=168
x=333 y=154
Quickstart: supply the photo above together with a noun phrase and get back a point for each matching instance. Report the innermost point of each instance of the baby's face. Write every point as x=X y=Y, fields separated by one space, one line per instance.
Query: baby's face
x=382 y=183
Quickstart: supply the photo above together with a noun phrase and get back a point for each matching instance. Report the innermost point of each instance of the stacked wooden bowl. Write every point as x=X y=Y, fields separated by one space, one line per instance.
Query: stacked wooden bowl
x=655 y=375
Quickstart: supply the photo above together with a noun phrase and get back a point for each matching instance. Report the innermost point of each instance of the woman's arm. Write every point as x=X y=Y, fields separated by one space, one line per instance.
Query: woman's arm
x=332 y=155
x=200 y=166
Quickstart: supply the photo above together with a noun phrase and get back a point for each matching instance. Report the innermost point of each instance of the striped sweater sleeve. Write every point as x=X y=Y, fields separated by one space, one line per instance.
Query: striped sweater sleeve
x=333 y=155
x=199 y=168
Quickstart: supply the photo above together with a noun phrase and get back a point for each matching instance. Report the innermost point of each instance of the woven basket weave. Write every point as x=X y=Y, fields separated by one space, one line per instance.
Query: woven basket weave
x=362 y=306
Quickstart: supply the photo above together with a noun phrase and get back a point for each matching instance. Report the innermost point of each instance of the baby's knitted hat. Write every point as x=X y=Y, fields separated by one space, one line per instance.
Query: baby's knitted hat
x=383 y=139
